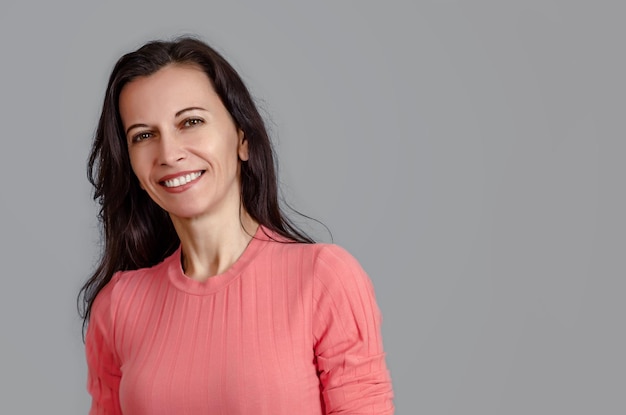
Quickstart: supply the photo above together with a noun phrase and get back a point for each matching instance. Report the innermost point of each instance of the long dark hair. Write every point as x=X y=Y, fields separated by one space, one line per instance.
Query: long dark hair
x=137 y=233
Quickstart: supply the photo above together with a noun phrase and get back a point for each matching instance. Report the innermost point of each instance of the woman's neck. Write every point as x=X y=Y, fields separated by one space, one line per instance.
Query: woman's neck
x=209 y=246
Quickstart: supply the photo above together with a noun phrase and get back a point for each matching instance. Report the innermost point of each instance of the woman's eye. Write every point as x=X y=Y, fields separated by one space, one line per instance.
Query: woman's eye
x=192 y=122
x=141 y=137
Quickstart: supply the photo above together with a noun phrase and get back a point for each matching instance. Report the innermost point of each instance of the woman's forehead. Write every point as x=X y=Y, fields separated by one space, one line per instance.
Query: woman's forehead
x=167 y=91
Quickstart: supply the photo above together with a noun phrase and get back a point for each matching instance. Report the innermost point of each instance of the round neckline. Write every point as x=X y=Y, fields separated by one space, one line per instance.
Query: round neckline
x=219 y=281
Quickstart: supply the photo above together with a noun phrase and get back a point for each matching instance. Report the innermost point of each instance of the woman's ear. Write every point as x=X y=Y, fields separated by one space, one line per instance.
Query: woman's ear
x=242 y=149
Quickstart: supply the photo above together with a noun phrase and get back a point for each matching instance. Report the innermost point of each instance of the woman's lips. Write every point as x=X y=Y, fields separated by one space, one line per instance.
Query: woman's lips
x=180 y=179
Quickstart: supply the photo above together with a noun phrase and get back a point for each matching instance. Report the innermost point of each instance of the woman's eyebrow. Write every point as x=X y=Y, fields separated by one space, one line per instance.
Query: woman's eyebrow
x=135 y=126
x=188 y=109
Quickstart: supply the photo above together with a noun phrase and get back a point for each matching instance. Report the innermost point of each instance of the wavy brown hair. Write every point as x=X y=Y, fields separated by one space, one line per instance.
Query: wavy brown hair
x=136 y=232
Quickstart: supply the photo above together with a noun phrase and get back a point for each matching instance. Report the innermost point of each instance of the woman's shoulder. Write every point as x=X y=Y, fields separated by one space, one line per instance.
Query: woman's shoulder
x=281 y=244
x=330 y=254
x=334 y=261
x=129 y=281
x=325 y=259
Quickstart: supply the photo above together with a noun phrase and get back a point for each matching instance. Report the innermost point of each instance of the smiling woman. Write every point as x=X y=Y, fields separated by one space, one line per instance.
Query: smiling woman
x=207 y=299
x=184 y=147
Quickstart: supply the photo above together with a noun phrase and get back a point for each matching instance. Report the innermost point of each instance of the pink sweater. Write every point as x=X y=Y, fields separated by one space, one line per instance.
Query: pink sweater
x=289 y=329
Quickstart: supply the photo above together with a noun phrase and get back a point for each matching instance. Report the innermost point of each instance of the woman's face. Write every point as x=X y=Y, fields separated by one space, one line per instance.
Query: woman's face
x=183 y=144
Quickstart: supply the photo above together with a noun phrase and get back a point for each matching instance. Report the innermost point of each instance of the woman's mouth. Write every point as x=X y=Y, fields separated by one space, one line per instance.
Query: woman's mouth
x=182 y=180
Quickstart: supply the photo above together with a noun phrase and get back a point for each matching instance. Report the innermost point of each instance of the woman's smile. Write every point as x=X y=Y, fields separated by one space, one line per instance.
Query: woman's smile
x=175 y=181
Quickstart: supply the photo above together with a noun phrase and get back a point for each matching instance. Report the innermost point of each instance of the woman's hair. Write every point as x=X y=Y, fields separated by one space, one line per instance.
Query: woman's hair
x=138 y=233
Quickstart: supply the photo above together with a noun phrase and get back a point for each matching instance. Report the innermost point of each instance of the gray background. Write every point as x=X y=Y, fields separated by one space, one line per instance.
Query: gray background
x=469 y=153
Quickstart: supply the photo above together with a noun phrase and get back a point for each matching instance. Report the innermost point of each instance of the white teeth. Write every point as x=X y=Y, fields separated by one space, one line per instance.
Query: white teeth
x=182 y=180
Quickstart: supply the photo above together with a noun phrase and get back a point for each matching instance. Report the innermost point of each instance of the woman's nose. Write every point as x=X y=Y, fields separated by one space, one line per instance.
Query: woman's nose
x=171 y=149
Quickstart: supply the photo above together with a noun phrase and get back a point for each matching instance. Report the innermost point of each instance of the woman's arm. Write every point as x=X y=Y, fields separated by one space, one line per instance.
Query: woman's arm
x=103 y=378
x=348 y=342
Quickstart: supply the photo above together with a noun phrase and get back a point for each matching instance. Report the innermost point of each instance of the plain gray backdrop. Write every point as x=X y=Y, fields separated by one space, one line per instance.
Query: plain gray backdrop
x=469 y=153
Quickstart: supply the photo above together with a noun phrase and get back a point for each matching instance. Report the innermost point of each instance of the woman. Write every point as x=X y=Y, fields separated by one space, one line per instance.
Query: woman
x=207 y=299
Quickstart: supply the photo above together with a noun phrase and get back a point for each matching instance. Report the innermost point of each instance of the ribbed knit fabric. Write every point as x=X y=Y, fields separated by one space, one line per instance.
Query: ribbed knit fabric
x=289 y=329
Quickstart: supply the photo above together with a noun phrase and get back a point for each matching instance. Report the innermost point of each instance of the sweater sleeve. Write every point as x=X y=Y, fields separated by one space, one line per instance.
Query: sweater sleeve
x=103 y=377
x=348 y=342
